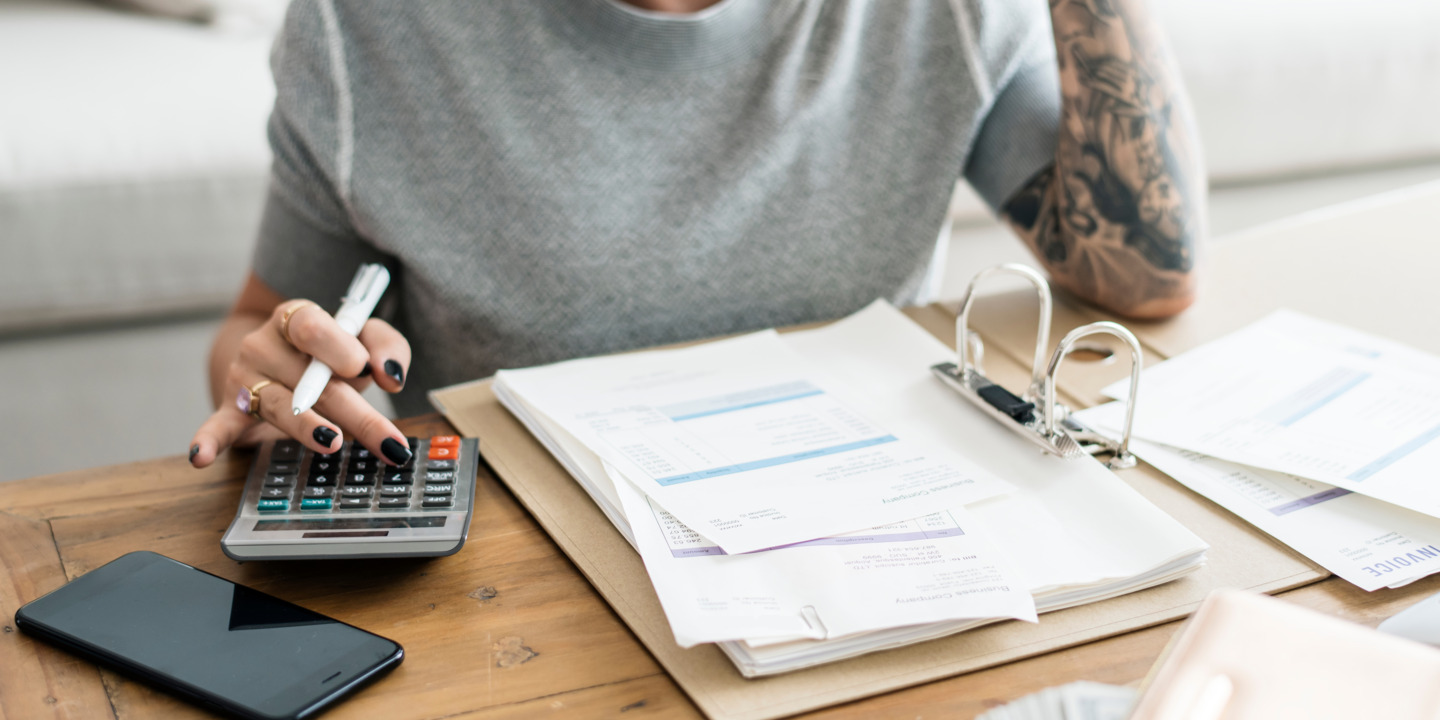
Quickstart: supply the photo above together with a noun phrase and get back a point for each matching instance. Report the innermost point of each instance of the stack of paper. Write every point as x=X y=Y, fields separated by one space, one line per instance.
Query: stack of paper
x=1324 y=437
x=806 y=497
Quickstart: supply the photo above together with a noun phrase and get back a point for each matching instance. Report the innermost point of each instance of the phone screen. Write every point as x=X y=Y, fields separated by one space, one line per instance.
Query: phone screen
x=201 y=634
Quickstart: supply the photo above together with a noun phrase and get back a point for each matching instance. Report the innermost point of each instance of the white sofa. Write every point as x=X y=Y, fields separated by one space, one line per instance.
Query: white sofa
x=133 y=156
x=132 y=161
x=1285 y=90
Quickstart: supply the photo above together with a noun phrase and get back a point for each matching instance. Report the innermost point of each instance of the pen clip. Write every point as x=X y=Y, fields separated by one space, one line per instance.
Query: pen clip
x=367 y=284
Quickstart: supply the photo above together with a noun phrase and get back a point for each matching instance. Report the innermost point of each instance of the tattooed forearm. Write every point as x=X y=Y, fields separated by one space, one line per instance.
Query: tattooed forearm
x=1117 y=217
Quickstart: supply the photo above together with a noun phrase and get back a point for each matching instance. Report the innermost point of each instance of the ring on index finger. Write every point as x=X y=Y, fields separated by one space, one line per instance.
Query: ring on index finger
x=248 y=399
x=289 y=313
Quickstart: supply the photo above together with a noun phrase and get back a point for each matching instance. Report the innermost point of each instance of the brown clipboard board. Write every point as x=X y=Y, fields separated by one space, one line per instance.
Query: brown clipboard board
x=1239 y=557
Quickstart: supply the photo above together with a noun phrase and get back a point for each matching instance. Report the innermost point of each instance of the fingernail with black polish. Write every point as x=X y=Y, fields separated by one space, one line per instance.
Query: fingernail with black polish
x=365 y=372
x=324 y=435
x=194 y=450
x=395 y=372
x=395 y=451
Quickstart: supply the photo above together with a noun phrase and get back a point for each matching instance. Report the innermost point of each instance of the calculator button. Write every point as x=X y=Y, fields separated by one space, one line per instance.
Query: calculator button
x=395 y=490
x=324 y=467
x=445 y=440
x=436 y=501
x=394 y=477
x=328 y=457
x=441 y=452
x=362 y=466
x=440 y=465
x=285 y=450
x=394 y=502
x=354 y=503
x=284 y=468
x=321 y=481
x=360 y=452
x=273 y=505
x=315 y=504
x=445 y=489
x=316 y=492
x=275 y=492
x=441 y=476
x=279 y=481
x=360 y=479
x=355 y=491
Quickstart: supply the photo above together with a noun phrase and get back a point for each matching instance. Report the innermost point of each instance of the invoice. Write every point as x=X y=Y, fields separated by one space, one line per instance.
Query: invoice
x=1297 y=395
x=746 y=443
x=1368 y=542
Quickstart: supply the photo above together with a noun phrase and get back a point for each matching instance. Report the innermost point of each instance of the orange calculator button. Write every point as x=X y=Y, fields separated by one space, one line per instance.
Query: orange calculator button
x=445 y=441
x=440 y=452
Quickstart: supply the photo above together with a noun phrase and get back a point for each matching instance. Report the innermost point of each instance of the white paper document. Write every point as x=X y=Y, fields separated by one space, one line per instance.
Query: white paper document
x=1297 y=395
x=746 y=444
x=782 y=431
x=1368 y=542
x=926 y=570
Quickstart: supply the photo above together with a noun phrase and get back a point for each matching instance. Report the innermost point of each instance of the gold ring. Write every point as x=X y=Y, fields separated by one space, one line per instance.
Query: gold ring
x=248 y=399
x=285 y=318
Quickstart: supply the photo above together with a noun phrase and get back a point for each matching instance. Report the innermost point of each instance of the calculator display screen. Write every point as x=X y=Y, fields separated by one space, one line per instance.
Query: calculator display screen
x=385 y=523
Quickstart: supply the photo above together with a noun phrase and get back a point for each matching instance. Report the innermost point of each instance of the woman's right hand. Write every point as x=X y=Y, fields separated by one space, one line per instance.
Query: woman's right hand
x=270 y=359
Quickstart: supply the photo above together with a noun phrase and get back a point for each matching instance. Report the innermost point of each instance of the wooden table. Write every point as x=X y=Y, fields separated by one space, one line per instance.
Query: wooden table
x=508 y=628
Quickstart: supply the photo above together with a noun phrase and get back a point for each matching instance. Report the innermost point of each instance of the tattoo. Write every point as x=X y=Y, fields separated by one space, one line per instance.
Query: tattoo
x=1114 y=218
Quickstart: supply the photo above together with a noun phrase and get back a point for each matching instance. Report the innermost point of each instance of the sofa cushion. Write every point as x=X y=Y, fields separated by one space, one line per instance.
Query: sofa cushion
x=1282 y=88
x=133 y=161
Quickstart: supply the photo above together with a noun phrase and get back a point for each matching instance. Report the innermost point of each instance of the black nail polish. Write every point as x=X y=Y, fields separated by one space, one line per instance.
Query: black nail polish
x=395 y=372
x=395 y=451
x=365 y=371
x=324 y=435
x=194 y=450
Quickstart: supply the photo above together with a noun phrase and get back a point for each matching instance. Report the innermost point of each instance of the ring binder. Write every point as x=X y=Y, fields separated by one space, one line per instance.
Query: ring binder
x=1035 y=414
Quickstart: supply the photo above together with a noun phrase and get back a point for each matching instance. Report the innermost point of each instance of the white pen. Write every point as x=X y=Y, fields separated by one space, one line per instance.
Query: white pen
x=365 y=291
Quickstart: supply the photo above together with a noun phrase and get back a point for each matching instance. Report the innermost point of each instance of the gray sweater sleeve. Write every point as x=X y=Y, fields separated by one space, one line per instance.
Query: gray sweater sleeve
x=308 y=246
x=1020 y=128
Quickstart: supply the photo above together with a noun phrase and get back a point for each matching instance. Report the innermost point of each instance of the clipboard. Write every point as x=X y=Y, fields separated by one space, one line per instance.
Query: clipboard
x=1239 y=557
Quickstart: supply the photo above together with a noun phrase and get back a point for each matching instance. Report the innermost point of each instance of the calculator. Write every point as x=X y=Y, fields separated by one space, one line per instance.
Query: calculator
x=303 y=505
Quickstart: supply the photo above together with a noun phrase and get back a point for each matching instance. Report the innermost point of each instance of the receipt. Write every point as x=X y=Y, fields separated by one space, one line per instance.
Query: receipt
x=930 y=569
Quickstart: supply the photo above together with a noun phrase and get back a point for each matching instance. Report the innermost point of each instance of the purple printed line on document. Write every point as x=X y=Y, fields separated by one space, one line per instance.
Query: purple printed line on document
x=1312 y=500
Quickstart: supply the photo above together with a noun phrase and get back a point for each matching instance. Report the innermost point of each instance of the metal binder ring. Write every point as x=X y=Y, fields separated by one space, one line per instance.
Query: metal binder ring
x=1042 y=336
x=1123 y=459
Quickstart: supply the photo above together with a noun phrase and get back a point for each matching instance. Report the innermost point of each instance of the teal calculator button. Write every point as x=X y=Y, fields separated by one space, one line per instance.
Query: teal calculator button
x=315 y=504
x=274 y=505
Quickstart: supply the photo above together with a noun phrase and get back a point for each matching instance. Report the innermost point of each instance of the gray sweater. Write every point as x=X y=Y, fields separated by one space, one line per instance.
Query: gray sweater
x=558 y=178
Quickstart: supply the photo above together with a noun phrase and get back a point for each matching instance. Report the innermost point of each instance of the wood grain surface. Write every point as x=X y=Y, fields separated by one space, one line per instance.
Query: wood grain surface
x=509 y=628
x=506 y=628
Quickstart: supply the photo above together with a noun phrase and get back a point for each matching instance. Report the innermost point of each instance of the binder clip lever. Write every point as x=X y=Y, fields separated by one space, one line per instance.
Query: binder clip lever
x=1035 y=414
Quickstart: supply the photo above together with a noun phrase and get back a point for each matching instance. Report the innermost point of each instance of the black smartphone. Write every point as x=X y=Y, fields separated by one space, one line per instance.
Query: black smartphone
x=206 y=639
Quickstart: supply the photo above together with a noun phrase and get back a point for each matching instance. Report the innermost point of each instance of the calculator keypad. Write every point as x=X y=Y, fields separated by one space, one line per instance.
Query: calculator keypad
x=354 y=479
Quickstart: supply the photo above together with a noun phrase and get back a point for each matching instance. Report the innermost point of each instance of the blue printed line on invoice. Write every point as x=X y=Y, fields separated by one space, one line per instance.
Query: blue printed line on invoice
x=745 y=406
x=1340 y=380
x=771 y=462
x=844 y=540
x=1395 y=455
